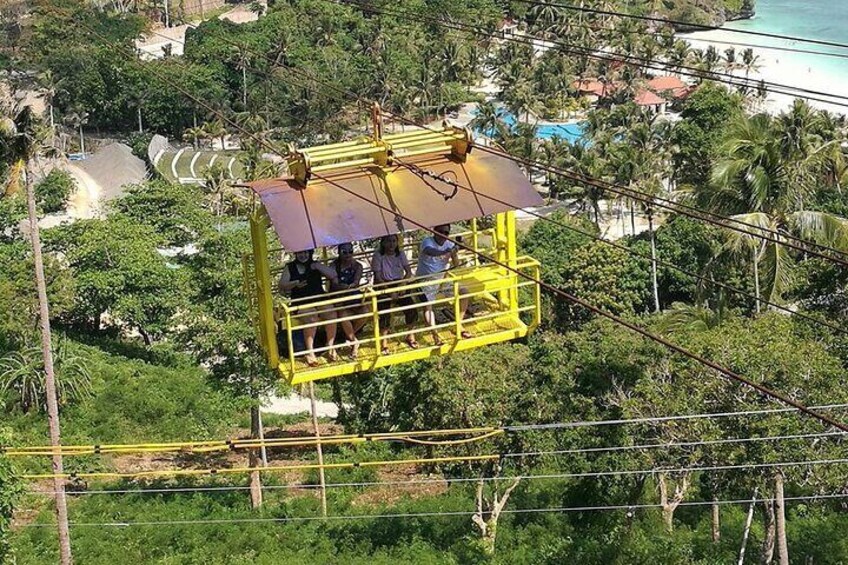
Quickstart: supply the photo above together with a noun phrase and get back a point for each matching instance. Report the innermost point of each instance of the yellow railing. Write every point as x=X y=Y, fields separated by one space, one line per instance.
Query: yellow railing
x=489 y=285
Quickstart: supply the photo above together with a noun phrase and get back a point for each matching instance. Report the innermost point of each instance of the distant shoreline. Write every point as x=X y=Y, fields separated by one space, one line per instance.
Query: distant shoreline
x=779 y=67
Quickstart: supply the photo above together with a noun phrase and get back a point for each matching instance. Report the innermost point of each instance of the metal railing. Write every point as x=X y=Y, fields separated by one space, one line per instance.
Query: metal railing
x=496 y=287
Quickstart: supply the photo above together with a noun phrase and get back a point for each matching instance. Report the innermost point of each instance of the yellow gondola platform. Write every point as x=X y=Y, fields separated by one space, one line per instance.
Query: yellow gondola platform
x=424 y=177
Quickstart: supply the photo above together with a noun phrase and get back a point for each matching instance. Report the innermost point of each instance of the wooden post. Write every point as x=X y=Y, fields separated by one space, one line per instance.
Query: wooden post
x=318 y=448
x=65 y=557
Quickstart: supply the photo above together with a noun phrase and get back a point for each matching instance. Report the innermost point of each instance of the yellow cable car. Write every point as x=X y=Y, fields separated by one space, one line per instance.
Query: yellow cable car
x=424 y=176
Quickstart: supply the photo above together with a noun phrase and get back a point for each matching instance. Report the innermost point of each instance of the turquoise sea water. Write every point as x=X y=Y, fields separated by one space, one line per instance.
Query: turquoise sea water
x=816 y=19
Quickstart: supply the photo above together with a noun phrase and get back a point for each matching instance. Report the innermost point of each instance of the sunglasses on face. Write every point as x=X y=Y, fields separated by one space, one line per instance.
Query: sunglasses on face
x=344 y=251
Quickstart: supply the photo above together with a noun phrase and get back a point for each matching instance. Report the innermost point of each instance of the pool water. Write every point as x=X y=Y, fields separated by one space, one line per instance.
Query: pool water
x=572 y=133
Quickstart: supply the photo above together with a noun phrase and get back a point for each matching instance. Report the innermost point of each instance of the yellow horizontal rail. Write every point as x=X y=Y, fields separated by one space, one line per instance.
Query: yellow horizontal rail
x=225 y=445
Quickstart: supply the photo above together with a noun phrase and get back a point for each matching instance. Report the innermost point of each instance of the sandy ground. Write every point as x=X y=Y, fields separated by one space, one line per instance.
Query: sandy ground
x=296 y=404
x=778 y=67
x=153 y=44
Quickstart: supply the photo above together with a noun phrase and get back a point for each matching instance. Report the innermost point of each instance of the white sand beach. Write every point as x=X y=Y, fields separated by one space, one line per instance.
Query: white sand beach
x=798 y=70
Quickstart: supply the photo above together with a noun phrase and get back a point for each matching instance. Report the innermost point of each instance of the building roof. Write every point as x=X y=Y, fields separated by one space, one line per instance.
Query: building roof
x=658 y=84
x=647 y=98
x=322 y=214
x=596 y=87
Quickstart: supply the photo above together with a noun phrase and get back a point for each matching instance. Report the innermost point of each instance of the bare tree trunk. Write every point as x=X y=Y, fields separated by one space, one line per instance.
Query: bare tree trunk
x=780 y=510
x=487 y=519
x=632 y=219
x=49 y=375
x=756 y=279
x=747 y=530
x=670 y=505
x=654 y=260
x=140 y=125
x=244 y=85
x=255 y=476
x=768 y=539
x=318 y=448
x=716 y=522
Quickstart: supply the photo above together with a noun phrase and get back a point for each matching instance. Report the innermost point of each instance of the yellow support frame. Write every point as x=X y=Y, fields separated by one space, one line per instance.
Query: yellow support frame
x=481 y=281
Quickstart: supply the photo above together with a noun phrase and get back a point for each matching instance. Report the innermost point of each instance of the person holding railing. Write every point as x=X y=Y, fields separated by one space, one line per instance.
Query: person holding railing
x=435 y=255
x=391 y=265
x=348 y=278
x=302 y=279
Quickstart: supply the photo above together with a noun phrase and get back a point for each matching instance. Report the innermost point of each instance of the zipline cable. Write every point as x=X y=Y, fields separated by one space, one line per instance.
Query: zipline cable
x=468 y=458
x=646 y=257
x=804 y=245
x=407 y=515
x=685 y=24
x=492 y=431
x=551 y=289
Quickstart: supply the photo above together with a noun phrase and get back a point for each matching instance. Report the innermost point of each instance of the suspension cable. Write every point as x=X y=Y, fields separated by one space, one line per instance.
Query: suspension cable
x=549 y=288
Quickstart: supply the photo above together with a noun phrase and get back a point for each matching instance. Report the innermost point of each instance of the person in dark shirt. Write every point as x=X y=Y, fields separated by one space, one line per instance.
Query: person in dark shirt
x=348 y=278
x=302 y=280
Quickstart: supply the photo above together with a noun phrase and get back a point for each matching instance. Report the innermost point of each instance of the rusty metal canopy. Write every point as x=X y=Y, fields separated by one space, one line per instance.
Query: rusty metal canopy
x=321 y=214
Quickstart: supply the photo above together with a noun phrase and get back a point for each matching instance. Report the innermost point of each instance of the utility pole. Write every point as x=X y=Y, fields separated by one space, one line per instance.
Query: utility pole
x=50 y=377
x=321 y=480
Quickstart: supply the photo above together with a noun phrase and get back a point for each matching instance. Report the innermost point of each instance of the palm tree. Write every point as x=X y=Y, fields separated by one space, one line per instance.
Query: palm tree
x=750 y=62
x=195 y=136
x=216 y=129
x=489 y=120
x=767 y=171
x=241 y=56
x=22 y=374
x=76 y=120
x=24 y=140
x=52 y=86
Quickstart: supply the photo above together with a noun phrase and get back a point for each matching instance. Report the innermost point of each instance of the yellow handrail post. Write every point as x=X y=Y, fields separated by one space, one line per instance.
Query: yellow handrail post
x=289 y=338
x=537 y=291
x=376 y=321
x=475 y=241
x=456 y=313
x=264 y=296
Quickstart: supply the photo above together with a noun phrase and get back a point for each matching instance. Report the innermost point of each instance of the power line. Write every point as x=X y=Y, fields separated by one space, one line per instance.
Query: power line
x=653 y=64
x=586 y=305
x=681 y=23
x=658 y=261
x=489 y=432
x=805 y=245
x=510 y=455
x=338 y=517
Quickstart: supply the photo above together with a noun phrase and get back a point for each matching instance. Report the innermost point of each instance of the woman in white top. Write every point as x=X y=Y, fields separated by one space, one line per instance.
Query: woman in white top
x=390 y=265
x=435 y=256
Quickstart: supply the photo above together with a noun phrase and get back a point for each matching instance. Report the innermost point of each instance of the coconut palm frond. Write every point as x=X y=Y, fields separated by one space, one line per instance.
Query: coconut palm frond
x=778 y=270
x=820 y=227
x=737 y=241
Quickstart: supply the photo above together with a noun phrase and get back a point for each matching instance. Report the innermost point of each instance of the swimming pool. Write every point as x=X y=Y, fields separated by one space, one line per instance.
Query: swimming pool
x=572 y=133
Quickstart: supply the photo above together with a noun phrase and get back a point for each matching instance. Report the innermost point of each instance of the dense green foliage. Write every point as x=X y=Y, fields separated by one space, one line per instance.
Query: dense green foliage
x=53 y=191
x=153 y=343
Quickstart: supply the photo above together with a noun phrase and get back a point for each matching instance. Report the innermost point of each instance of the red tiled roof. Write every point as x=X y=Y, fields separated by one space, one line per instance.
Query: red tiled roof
x=596 y=87
x=647 y=98
x=658 y=84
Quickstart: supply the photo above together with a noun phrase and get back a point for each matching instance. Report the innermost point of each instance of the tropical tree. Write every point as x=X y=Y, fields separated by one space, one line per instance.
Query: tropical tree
x=765 y=175
x=24 y=140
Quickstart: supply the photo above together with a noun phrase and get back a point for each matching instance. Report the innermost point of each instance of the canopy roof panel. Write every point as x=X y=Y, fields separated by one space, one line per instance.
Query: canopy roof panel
x=321 y=214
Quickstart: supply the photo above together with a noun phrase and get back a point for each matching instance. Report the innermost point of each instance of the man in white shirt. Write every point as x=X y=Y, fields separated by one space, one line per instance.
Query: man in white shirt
x=436 y=254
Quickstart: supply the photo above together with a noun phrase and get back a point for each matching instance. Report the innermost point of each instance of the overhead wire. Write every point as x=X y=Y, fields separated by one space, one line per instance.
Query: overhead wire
x=727 y=373
x=803 y=245
x=684 y=70
x=780 y=237
x=408 y=515
x=514 y=455
x=393 y=436
x=685 y=24
x=643 y=256
x=184 y=447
